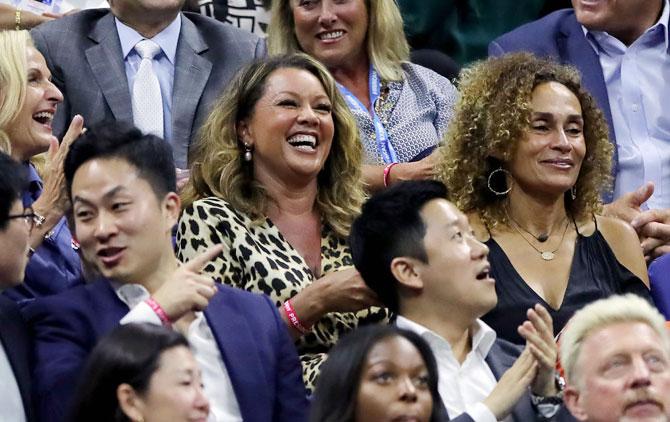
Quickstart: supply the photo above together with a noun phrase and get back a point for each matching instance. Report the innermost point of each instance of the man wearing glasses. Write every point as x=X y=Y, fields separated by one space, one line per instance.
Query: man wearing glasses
x=16 y=223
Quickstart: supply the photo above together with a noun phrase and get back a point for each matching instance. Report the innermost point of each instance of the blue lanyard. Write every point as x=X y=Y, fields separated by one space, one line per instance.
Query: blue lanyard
x=384 y=146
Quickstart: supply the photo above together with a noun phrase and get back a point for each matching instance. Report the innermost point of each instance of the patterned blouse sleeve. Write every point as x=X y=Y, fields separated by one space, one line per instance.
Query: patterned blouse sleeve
x=444 y=95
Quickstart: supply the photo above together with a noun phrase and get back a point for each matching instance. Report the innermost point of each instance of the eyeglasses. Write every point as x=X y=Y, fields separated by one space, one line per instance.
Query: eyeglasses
x=28 y=216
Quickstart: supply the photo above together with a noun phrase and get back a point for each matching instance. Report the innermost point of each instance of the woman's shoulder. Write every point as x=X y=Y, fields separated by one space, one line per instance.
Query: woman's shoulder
x=622 y=239
x=414 y=71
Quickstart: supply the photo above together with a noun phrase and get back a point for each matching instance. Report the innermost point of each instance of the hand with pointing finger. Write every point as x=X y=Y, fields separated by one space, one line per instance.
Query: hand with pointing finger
x=188 y=290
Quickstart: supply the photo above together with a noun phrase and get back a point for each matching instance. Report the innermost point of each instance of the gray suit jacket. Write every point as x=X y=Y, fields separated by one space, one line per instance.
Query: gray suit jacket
x=84 y=55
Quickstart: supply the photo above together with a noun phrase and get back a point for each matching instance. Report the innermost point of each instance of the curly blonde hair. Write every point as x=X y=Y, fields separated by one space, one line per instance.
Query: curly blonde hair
x=217 y=164
x=387 y=46
x=492 y=116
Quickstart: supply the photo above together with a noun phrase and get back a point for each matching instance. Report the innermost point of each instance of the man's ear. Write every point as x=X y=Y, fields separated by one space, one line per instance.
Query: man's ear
x=171 y=208
x=571 y=399
x=405 y=271
x=129 y=402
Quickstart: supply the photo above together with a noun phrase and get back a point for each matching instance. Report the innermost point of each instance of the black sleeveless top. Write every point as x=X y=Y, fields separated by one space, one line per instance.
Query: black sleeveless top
x=595 y=274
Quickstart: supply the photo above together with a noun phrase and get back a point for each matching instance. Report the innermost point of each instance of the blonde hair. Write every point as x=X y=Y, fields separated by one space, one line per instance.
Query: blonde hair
x=603 y=313
x=13 y=79
x=387 y=46
x=218 y=168
x=493 y=114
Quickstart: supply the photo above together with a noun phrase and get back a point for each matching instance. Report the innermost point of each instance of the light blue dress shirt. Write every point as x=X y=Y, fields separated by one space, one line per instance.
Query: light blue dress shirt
x=638 y=86
x=163 y=63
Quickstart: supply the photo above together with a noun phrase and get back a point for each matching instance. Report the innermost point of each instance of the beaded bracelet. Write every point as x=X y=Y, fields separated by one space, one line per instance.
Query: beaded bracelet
x=160 y=312
x=293 y=318
x=387 y=173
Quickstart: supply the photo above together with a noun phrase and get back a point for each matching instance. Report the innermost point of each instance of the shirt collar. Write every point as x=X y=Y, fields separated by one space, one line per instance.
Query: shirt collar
x=131 y=294
x=598 y=39
x=482 y=339
x=31 y=173
x=167 y=39
x=33 y=187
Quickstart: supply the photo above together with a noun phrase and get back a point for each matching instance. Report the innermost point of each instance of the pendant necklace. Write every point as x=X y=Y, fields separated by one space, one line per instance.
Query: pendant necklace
x=546 y=255
x=542 y=237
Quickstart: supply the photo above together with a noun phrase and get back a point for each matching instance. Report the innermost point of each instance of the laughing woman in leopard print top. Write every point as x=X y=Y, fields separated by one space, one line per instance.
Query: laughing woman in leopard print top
x=276 y=178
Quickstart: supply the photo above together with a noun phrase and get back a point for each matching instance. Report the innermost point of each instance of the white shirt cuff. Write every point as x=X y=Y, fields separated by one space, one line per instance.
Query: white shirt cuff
x=141 y=313
x=480 y=413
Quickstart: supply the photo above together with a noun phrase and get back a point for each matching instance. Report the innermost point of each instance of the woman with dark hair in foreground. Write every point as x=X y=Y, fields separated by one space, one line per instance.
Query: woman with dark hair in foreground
x=141 y=372
x=378 y=373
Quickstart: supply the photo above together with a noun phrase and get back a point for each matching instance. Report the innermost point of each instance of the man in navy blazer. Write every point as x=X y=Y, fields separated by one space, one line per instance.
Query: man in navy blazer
x=417 y=251
x=122 y=186
x=15 y=225
x=561 y=35
x=91 y=65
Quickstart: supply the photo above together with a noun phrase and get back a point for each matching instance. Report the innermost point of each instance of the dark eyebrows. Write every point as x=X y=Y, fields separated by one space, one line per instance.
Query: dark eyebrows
x=541 y=115
x=106 y=196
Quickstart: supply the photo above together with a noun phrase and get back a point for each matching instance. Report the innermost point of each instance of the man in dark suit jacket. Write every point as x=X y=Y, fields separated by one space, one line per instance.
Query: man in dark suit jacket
x=86 y=58
x=122 y=187
x=15 y=225
x=561 y=35
x=417 y=252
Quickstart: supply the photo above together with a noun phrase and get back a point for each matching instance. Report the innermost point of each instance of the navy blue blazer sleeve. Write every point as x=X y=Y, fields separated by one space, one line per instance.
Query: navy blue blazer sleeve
x=62 y=341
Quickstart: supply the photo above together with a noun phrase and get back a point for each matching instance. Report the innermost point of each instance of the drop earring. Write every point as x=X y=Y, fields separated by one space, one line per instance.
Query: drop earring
x=248 y=155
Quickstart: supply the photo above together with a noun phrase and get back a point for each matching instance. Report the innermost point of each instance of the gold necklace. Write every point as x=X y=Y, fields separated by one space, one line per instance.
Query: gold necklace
x=546 y=255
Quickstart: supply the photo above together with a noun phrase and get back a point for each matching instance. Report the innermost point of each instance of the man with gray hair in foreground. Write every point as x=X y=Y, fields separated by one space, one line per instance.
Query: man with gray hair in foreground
x=616 y=356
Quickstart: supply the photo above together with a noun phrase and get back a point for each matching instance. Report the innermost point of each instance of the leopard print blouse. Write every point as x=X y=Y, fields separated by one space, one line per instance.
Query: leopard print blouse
x=257 y=258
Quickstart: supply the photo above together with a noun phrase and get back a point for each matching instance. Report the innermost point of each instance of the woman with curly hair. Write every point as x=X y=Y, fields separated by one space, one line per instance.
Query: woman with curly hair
x=527 y=158
x=276 y=178
x=402 y=110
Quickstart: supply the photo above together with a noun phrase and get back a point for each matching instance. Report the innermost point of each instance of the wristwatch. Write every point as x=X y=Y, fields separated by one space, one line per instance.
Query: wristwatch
x=555 y=399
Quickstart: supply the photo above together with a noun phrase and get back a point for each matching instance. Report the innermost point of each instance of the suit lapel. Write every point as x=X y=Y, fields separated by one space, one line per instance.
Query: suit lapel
x=575 y=49
x=107 y=304
x=242 y=362
x=106 y=61
x=14 y=338
x=191 y=74
x=500 y=361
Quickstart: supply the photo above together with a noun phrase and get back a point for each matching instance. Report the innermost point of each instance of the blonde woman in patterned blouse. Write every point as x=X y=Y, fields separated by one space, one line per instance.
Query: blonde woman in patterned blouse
x=402 y=110
x=276 y=179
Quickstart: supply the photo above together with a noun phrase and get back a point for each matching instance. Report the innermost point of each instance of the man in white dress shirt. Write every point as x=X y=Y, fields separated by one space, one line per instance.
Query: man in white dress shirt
x=417 y=251
x=15 y=225
x=616 y=356
x=122 y=186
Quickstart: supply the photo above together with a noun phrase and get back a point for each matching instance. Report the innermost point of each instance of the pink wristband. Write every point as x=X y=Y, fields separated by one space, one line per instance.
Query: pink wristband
x=160 y=312
x=293 y=318
x=387 y=172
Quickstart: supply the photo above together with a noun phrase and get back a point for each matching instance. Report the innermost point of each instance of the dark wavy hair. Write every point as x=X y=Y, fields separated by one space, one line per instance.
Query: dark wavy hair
x=335 y=395
x=128 y=355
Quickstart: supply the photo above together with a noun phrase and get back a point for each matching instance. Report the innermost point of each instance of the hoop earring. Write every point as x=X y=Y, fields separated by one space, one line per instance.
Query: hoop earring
x=488 y=182
x=573 y=192
x=248 y=156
